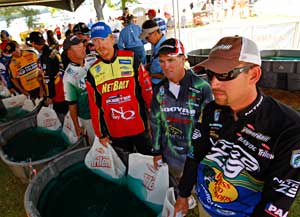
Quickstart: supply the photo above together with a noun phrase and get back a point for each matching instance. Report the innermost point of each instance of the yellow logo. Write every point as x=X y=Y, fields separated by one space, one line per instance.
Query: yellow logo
x=114 y=86
x=221 y=190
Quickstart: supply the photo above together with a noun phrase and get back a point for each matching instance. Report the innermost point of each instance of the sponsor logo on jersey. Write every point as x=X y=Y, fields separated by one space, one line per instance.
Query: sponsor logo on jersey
x=255 y=106
x=288 y=187
x=114 y=86
x=295 y=159
x=98 y=69
x=192 y=89
x=82 y=84
x=125 y=68
x=121 y=61
x=232 y=158
x=256 y=135
x=118 y=99
x=102 y=161
x=196 y=134
x=265 y=154
x=275 y=211
x=30 y=67
x=217 y=115
x=181 y=110
x=118 y=114
x=246 y=143
x=126 y=73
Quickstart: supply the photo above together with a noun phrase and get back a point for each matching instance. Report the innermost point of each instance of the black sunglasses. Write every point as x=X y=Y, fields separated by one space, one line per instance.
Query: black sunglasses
x=228 y=75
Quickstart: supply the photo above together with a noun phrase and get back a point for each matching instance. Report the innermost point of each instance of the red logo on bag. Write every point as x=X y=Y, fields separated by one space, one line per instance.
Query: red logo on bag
x=149 y=181
x=101 y=161
x=100 y=150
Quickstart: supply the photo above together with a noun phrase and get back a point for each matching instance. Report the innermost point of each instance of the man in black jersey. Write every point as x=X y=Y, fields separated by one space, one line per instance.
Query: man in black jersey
x=245 y=159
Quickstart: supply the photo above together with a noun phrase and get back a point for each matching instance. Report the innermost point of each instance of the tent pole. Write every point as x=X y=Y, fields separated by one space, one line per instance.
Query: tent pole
x=178 y=20
x=174 y=19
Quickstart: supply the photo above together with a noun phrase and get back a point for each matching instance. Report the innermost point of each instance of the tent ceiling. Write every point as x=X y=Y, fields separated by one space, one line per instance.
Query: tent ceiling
x=70 y=5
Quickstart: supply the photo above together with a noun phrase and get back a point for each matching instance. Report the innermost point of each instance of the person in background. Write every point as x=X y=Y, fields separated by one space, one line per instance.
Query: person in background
x=152 y=33
x=176 y=105
x=75 y=88
x=5 y=38
x=57 y=32
x=246 y=147
x=129 y=39
x=24 y=71
x=160 y=21
x=51 y=41
x=90 y=23
x=83 y=32
x=183 y=19
x=52 y=69
x=119 y=92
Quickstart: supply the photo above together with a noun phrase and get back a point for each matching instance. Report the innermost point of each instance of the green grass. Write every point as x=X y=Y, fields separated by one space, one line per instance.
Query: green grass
x=11 y=194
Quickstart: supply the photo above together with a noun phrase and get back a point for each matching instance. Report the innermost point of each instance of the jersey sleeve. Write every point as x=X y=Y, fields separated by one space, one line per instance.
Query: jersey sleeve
x=155 y=121
x=97 y=115
x=146 y=85
x=283 y=178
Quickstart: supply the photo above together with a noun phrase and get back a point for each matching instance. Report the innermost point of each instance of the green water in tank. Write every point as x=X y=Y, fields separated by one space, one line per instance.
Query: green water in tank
x=12 y=114
x=35 y=144
x=77 y=192
x=285 y=58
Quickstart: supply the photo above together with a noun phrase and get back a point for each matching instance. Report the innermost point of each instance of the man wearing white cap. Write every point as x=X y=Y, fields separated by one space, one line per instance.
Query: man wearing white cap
x=119 y=92
x=245 y=159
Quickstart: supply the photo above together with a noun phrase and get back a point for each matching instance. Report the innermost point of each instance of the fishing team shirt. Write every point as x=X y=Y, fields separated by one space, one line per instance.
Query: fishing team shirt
x=75 y=87
x=119 y=93
x=173 y=118
x=251 y=167
x=25 y=69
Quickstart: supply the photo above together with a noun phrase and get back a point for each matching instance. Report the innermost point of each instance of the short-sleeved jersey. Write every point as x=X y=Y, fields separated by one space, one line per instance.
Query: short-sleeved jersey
x=75 y=87
x=25 y=68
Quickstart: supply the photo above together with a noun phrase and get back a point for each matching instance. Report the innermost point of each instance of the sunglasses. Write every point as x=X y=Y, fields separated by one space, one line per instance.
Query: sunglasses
x=228 y=75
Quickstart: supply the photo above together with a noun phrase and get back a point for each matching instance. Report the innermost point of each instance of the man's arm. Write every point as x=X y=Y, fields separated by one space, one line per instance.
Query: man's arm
x=283 y=177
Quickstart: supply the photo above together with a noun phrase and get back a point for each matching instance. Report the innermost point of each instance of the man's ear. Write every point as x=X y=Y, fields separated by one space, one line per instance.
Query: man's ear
x=255 y=74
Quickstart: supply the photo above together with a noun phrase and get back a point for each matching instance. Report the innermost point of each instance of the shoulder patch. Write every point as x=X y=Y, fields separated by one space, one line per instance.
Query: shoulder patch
x=295 y=159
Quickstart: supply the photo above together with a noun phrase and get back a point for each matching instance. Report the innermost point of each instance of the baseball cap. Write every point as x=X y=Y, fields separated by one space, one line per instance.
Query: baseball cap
x=70 y=41
x=81 y=28
x=100 y=30
x=36 y=37
x=151 y=12
x=10 y=47
x=148 y=27
x=171 y=47
x=229 y=52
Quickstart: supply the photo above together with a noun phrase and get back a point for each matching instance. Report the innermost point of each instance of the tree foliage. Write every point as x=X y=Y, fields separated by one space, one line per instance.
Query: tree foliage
x=10 y=13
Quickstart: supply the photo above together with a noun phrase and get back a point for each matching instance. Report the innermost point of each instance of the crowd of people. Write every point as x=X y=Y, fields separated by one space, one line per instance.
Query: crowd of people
x=237 y=146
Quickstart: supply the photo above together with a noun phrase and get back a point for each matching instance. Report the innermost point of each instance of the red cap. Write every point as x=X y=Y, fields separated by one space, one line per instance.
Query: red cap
x=151 y=12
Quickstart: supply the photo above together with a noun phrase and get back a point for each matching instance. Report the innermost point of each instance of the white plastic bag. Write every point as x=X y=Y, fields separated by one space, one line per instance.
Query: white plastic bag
x=148 y=184
x=169 y=203
x=105 y=162
x=14 y=101
x=69 y=129
x=28 y=105
x=47 y=118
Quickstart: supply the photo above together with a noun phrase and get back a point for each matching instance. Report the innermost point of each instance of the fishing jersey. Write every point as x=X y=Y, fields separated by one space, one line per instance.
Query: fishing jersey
x=75 y=87
x=172 y=119
x=51 y=64
x=25 y=69
x=250 y=166
x=119 y=93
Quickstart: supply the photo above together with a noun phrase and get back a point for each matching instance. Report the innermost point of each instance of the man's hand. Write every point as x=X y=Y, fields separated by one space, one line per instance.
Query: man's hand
x=157 y=161
x=181 y=205
x=79 y=131
x=105 y=141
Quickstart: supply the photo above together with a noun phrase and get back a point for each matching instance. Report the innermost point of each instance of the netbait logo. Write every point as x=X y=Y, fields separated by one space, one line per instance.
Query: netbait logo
x=182 y=111
x=114 y=86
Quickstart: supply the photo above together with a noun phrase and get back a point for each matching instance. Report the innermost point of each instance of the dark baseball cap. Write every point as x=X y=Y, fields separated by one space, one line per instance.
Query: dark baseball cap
x=81 y=28
x=70 y=41
x=171 y=47
x=36 y=37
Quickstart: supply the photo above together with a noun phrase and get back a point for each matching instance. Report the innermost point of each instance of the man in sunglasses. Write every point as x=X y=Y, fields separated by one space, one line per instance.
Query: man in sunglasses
x=245 y=159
